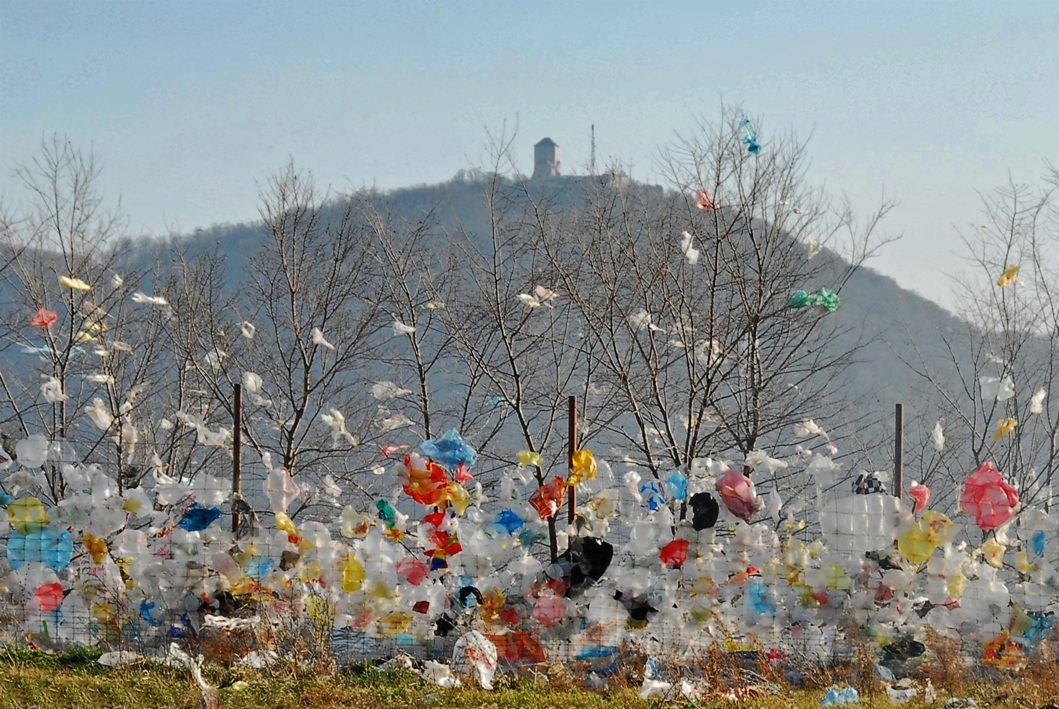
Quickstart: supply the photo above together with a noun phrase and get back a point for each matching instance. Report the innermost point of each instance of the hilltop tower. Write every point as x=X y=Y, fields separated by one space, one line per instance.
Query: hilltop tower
x=545 y=159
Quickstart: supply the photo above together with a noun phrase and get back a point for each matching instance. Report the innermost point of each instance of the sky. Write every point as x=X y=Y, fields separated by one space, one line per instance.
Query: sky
x=191 y=105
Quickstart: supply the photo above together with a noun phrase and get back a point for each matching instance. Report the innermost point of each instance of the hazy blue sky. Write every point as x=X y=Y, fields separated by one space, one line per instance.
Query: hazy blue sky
x=190 y=104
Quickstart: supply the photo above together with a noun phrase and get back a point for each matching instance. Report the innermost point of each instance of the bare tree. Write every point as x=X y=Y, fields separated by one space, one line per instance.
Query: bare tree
x=1001 y=368
x=310 y=299
x=412 y=267
x=687 y=306
x=74 y=321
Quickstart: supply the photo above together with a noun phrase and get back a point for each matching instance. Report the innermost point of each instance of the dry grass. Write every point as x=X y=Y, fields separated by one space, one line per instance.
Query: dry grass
x=35 y=679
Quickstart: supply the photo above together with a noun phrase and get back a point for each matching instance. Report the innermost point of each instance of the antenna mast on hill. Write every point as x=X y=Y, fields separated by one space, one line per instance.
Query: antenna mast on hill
x=592 y=164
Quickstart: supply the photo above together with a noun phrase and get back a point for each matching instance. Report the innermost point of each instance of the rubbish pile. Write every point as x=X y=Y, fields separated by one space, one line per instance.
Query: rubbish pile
x=672 y=566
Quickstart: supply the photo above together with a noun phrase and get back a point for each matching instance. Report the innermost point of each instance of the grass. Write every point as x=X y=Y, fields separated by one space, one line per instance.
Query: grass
x=30 y=678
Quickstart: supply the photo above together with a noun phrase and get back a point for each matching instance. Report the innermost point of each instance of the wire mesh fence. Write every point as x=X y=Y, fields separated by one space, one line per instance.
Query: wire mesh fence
x=140 y=570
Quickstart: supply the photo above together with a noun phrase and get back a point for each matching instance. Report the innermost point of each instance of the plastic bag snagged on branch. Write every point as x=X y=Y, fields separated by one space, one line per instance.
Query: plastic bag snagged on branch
x=750 y=136
x=450 y=450
x=826 y=299
x=529 y=458
x=74 y=283
x=44 y=318
x=999 y=388
x=921 y=494
x=704 y=201
x=583 y=467
x=1003 y=427
x=280 y=489
x=548 y=499
x=1007 y=277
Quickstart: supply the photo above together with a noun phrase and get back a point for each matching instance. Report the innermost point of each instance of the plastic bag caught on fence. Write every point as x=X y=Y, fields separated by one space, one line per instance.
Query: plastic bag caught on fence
x=996 y=388
x=988 y=497
x=475 y=656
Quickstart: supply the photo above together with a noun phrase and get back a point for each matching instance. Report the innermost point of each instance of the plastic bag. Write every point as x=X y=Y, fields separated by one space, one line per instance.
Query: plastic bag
x=704 y=511
x=687 y=247
x=749 y=136
x=386 y=390
x=450 y=450
x=988 y=497
x=999 y=388
x=74 y=283
x=280 y=489
x=677 y=483
x=507 y=522
x=44 y=547
x=320 y=340
x=704 y=201
x=548 y=499
x=587 y=559
x=927 y=534
x=1037 y=401
x=27 y=515
x=826 y=299
x=1007 y=277
x=49 y=596
x=1003 y=427
x=197 y=518
x=674 y=554
x=44 y=318
x=840 y=697
x=583 y=467
x=32 y=452
x=529 y=458
x=351 y=574
x=423 y=480
x=737 y=494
